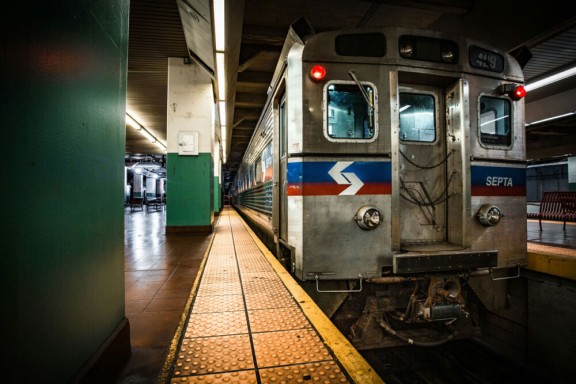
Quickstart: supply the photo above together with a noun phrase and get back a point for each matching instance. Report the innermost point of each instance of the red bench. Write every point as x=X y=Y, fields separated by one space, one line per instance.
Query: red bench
x=556 y=206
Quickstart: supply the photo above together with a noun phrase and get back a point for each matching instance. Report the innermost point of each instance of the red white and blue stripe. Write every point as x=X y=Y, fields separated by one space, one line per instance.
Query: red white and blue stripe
x=331 y=178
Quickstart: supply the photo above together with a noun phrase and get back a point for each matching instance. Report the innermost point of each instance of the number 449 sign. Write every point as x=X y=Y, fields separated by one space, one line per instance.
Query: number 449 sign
x=484 y=59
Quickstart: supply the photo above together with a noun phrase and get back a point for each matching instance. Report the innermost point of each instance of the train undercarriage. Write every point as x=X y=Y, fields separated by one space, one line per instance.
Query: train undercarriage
x=428 y=310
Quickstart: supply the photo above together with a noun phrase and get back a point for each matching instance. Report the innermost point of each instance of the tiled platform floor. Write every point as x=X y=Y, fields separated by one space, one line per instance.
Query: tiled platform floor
x=552 y=234
x=159 y=272
x=245 y=326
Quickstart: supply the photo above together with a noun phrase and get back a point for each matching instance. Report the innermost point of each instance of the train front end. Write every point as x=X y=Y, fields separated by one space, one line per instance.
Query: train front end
x=401 y=180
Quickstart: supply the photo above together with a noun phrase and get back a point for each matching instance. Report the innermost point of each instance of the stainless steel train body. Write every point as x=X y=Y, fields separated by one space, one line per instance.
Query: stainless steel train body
x=388 y=172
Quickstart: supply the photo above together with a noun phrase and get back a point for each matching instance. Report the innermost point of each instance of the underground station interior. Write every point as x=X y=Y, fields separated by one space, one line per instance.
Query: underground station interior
x=127 y=259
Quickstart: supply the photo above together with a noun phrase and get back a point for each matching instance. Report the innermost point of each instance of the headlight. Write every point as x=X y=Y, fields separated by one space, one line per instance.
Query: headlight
x=368 y=217
x=489 y=215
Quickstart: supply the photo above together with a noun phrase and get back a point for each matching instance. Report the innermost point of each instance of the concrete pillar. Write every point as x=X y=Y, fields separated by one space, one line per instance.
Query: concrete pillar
x=138 y=184
x=150 y=188
x=189 y=161
x=64 y=70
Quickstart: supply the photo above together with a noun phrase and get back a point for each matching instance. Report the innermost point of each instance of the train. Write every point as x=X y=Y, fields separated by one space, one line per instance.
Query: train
x=387 y=173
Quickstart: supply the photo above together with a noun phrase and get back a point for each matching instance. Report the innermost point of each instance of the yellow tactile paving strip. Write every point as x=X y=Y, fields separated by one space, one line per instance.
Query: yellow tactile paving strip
x=555 y=261
x=244 y=323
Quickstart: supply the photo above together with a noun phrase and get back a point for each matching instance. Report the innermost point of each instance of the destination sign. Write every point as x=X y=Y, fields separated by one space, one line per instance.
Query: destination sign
x=484 y=59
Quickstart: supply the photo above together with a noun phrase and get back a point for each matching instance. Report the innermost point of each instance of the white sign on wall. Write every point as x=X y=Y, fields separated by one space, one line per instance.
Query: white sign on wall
x=188 y=143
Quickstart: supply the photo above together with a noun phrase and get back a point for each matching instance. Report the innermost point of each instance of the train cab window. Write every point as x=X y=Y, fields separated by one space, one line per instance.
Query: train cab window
x=417 y=118
x=495 y=121
x=350 y=112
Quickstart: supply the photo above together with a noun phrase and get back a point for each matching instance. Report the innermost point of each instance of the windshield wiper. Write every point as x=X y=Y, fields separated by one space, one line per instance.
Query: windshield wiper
x=369 y=100
x=366 y=97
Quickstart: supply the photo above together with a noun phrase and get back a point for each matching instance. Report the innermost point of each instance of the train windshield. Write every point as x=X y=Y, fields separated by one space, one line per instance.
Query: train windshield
x=495 y=121
x=349 y=115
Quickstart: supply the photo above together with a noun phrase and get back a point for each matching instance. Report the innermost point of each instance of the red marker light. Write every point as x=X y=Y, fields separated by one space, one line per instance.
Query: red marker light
x=518 y=93
x=318 y=72
x=515 y=92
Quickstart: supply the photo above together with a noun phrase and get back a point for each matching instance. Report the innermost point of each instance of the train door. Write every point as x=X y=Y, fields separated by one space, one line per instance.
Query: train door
x=422 y=167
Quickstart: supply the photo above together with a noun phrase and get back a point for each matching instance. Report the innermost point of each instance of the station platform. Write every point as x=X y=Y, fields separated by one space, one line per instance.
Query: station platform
x=247 y=321
x=163 y=275
x=552 y=250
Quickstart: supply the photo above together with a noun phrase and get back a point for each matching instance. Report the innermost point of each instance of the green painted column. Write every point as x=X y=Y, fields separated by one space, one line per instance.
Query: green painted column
x=189 y=162
x=63 y=104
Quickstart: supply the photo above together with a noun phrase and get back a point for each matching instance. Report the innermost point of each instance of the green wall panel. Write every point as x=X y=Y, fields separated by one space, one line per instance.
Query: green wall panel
x=189 y=190
x=62 y=277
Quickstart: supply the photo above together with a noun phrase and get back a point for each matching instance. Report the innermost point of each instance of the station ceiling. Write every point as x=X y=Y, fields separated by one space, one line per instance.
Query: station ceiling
x=158 y=29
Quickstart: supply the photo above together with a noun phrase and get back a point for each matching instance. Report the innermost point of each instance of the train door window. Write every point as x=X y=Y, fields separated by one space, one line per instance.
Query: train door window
x=417 y=118
x=350 y=112
x=494 y=121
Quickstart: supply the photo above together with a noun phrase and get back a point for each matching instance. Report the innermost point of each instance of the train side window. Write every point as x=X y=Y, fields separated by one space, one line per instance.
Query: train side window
x=267 y=162
x=349 y=114
x=258 y=170
x=494 y=121
x=417 y=118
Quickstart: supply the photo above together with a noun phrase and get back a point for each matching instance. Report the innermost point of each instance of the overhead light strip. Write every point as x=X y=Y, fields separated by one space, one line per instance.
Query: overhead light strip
x=220 y=49
x=219 y=26
x=143 y=131
x=550 y=79
x=551 y=118
x=221 y=76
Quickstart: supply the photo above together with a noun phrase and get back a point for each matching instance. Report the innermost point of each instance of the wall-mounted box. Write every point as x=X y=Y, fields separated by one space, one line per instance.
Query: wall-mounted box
x=188 y=143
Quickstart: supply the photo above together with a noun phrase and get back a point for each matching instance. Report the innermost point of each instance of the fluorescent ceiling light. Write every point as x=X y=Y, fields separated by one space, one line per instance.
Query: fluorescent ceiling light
x=550 y=79
x=220 y=73
x=147 y=135
x=131 y=122
x=224 y=150
x=219 y=30
x=551 y=118
x=144 y=132
x=222 y=110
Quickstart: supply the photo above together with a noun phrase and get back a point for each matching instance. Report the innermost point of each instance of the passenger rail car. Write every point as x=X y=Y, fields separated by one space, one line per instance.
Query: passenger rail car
x=387 y=172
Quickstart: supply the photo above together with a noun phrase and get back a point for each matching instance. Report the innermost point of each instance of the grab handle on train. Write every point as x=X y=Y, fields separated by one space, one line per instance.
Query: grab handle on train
x=506 y=277
x=338 y=290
